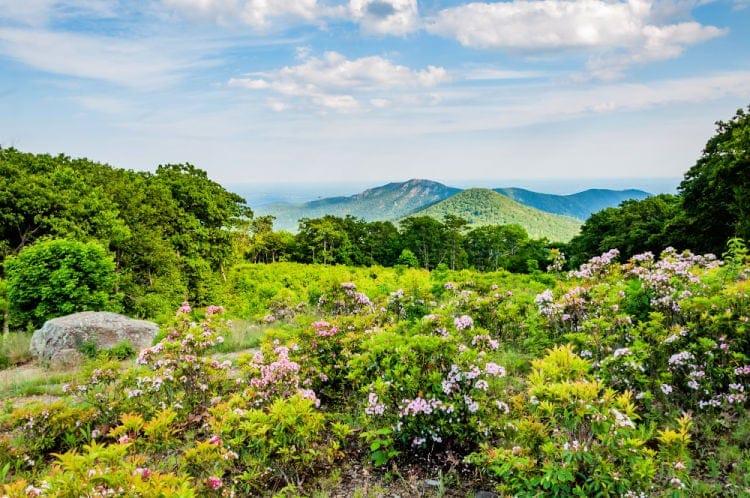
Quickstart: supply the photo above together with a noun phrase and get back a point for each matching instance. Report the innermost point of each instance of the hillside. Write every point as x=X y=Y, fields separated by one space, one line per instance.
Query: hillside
x=486 y=207
x=580 y=205
x=387 y=202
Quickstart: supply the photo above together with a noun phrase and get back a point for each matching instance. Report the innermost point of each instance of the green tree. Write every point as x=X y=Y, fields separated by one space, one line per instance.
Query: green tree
x=716 y=190
x=427 y=238
x=383 y=243
x=455 y=226
x=490 y=248
x=322 y=240
x=633 y=227
x=407 y=259
x=57 y=277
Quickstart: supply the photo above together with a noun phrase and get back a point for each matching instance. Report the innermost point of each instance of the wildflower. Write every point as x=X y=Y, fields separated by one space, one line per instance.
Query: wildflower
x=481 y=384
x=494 y=369
x=214 y=310
x=666 y=389
x=622 y=352
x=373 y=407
x=676 y=483
x=418 y=441
x=32 y=491
x=143 y=472
x=185 y=308
x=214 y=482
x=679 y=465
x=463 y=322
x=215 y=440
x=502 y=406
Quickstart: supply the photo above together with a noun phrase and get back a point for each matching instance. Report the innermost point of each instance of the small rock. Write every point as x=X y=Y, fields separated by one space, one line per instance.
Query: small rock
x=485 y=494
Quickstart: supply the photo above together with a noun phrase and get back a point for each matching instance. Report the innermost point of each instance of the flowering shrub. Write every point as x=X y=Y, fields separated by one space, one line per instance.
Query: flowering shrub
x=277 y=443
x=570 y=436
x=345 y=299
x=174 y=373
x=625 y=350
x=35 y=430
x=100 y=471
x=427 y=391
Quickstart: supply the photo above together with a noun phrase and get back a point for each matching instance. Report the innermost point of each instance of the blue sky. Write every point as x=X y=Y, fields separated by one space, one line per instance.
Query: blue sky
x=375 y=90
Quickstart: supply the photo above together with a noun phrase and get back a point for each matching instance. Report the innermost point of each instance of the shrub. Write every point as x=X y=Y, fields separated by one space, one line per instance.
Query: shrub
x=57 y=277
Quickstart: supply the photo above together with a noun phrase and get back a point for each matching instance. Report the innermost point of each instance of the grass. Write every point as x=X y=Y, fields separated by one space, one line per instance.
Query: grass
x=14 y=349
x=33 y=381
x=241 y=335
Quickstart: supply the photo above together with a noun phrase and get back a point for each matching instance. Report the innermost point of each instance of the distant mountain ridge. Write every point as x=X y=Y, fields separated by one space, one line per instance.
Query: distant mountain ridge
x=480 y=206
x=386 y=202
x=580 y=205
x=396 y=200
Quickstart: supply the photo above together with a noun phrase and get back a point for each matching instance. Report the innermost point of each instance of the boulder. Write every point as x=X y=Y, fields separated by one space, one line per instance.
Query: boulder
x=105 y=329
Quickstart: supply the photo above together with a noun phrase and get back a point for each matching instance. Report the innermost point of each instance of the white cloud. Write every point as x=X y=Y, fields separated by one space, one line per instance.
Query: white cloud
x=623 y=27
x=392 y=17
x=660 y=43
x=256 y=13
x=104 y=104
x=332 y=81
x=127 y=63
x=39 y=12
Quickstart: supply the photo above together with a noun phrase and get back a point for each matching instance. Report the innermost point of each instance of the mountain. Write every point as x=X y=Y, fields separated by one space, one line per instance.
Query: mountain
x=387 y=202
x=486 y=207
x=580 y=205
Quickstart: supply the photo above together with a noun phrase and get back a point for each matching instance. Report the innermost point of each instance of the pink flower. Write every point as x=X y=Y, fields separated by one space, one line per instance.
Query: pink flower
x=143 y=472
x=185 y=308
x=214 y=482
x=213 y=310
x=215 y=440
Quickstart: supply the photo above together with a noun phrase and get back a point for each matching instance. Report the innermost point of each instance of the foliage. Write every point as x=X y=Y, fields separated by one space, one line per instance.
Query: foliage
x=170 y=233
x=636 y=226
x=481 y=207
x=716 y=190
x=57 y=277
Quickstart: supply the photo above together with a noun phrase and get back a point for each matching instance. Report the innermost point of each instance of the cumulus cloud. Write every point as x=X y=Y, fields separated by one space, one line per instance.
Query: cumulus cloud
x=333 y=81
x=256 y=13
x=625 y=28
x=393 y=17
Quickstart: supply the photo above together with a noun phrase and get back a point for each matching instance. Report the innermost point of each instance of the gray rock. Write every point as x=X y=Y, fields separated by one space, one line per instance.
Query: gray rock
x=105 y=329
x=65 y=359
x=485 y=494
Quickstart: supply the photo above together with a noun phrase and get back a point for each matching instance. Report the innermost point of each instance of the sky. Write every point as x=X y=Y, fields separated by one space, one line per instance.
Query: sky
x=367 y=91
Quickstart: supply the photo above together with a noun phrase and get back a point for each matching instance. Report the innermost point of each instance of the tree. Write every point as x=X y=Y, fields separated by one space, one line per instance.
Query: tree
x=427 y=238
x=636 y=226
x=407 y=259
x=716 y=190
x=383 y=243
x=57 y=277
x=454 y=226
x=322 y=240
x=492 y=247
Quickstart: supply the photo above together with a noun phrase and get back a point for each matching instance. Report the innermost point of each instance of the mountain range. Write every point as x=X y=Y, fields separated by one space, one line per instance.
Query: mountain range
x=556 y=217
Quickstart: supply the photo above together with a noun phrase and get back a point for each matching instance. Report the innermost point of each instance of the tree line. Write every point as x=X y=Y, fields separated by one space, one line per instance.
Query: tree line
x=419 y=241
